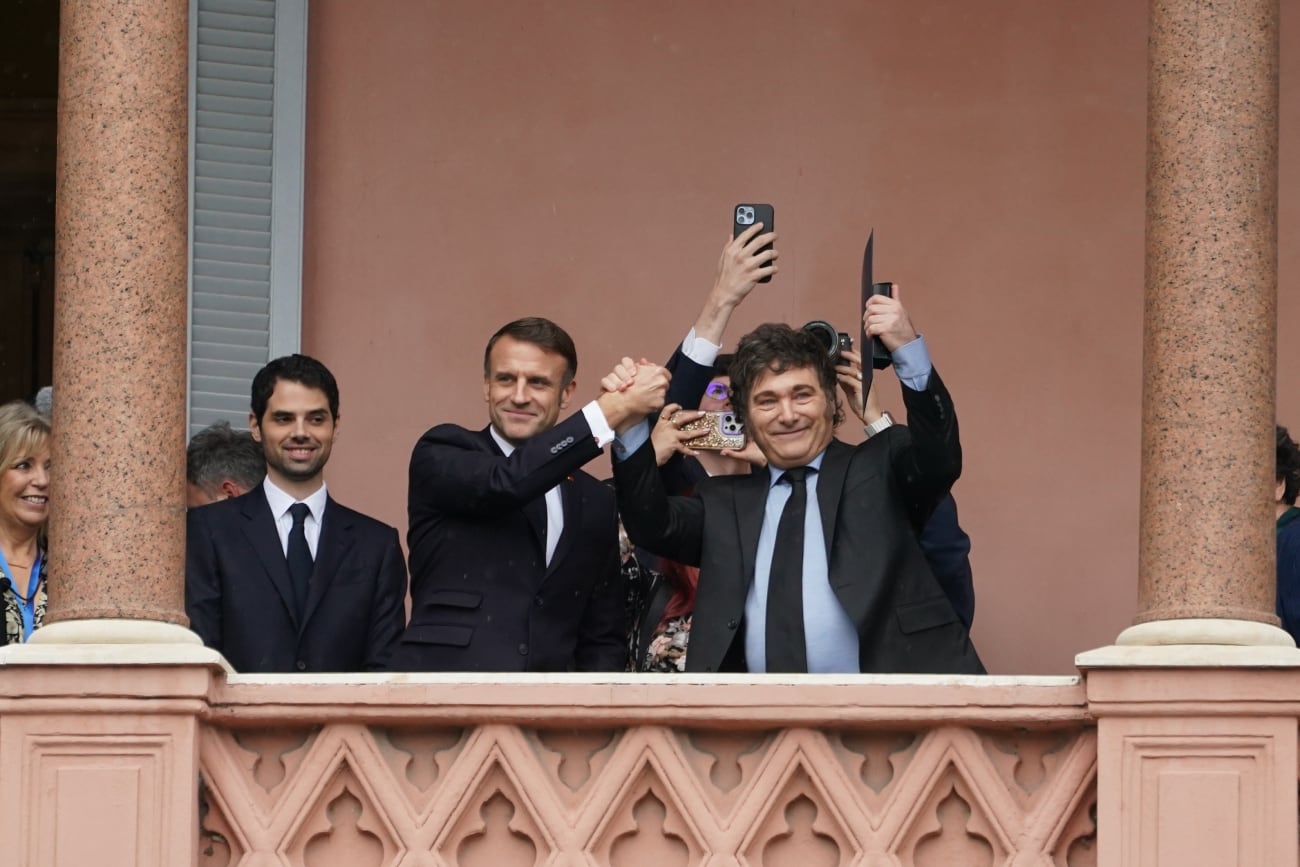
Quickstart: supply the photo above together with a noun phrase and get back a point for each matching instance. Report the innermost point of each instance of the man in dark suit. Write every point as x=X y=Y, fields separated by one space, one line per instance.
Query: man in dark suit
x=283 y=578
x=813 y=566
x=514 y=550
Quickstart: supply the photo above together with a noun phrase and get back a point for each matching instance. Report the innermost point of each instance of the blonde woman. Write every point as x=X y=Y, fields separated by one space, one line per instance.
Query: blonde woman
x=24 y=507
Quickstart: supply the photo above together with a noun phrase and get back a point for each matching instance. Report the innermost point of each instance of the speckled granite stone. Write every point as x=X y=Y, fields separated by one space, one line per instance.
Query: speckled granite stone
x=117 y=531
x=1207 y=536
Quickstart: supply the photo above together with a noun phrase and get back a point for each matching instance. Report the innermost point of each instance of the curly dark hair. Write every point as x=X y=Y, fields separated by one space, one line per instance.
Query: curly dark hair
x=1288 y=465
x=776 y=347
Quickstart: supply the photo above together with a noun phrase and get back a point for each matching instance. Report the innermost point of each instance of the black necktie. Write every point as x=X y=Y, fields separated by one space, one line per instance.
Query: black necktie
x=299 y=557
x=787 y=650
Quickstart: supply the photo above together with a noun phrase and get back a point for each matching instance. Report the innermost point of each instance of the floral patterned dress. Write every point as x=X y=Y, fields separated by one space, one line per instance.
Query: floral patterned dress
x=666 y=647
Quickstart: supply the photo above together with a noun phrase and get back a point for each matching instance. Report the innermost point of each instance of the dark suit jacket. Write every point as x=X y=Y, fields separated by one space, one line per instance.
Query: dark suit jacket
x=482 y=596
x=947 y=550
x=239 y=600
x=874 y=498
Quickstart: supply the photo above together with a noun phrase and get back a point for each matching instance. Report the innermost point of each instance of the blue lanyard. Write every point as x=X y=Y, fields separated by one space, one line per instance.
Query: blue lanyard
x=27 y=607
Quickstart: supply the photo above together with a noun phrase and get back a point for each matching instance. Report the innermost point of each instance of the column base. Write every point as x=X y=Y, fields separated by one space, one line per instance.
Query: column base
x=113 y=632
x=112 y=642
x=1196 y=643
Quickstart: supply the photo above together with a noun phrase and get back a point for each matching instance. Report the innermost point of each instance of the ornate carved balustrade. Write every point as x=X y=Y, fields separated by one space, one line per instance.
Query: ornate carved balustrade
x=370 y=771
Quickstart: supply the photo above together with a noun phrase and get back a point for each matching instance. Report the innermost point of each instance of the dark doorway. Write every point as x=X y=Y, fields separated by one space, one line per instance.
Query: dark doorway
x=29 y=62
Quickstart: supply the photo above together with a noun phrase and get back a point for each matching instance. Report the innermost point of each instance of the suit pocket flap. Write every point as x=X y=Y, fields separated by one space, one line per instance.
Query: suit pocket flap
x=455 y=599
x=927 y=614
x=437 y=633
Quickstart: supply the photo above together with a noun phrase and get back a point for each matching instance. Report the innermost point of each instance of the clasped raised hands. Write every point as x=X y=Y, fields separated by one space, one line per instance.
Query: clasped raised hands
x=631 y=391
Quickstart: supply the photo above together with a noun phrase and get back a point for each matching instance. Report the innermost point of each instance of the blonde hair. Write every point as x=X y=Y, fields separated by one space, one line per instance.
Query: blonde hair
x=23 y=432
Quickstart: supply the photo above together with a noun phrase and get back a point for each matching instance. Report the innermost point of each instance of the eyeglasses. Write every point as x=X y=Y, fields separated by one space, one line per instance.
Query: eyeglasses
x=717 y=390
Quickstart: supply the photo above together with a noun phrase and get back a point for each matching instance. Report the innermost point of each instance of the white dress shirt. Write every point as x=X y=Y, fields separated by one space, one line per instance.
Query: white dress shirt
x=280 y=502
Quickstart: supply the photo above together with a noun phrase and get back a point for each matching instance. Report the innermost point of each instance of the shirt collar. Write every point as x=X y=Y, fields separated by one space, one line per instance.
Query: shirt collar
x=815 y=463
x=280 y=502
x=505 y=444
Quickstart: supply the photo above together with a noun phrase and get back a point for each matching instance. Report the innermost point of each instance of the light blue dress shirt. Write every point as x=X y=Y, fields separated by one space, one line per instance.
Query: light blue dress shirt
x=831 y=639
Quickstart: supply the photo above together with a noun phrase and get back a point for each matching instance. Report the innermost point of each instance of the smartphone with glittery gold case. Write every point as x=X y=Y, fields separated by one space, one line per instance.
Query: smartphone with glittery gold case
x=724 y=431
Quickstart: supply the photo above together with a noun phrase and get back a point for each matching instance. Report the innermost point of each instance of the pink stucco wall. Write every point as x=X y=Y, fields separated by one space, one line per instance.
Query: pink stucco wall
x=473 y=162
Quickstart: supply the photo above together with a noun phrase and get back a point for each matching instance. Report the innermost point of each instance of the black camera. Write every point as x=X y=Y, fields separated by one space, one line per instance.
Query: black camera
x=833 y=341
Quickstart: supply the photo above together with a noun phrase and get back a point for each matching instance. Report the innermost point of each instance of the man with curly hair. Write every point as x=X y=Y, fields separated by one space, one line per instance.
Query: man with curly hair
x=815 y=565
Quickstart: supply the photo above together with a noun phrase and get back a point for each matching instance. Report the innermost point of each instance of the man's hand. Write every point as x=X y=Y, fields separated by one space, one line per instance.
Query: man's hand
x=850 y=376
x=640 y=395
x=621 y=377
x=740 y=267
x=668 y=437
x=887 y=319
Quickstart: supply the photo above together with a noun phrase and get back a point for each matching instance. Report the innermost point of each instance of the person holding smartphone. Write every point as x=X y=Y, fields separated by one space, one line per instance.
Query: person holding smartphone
x=661 y=592
x=772 y=596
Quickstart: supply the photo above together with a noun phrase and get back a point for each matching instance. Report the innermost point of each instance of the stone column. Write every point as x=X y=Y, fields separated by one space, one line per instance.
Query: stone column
x=117 y=525
x=1195 y=706
x=1206 y=563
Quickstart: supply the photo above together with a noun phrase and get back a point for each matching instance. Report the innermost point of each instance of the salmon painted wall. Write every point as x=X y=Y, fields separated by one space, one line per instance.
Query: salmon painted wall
x=469 y=163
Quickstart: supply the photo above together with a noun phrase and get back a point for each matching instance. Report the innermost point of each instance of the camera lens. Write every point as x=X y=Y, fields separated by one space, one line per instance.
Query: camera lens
x=826 y=335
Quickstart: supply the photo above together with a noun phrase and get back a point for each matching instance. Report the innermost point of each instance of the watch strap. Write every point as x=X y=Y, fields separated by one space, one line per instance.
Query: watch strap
x=885 y=421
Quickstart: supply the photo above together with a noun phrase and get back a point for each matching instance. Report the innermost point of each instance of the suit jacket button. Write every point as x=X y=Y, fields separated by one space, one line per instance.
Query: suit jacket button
x=540 y=602
x=300 y=665
x=523 y=649
x=732 y=624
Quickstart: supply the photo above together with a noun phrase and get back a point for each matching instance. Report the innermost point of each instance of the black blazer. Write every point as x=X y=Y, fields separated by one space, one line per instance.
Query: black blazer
x=874 y=498
x=239 y=600
x=482 y=595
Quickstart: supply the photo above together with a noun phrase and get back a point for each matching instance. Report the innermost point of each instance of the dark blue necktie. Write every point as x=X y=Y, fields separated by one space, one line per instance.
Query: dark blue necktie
x=299 y=557
x=787 y=650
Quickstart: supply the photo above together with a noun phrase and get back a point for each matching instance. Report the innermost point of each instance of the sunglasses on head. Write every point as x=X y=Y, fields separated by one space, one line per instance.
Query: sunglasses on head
x=717 y=390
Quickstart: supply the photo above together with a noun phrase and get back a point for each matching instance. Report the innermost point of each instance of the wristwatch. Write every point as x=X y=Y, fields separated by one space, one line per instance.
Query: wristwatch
x=885 y=421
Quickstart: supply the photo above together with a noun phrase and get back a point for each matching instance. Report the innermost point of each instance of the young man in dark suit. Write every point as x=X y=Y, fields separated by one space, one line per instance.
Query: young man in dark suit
x=284 y=578
x=814 y=565
x=514 y=550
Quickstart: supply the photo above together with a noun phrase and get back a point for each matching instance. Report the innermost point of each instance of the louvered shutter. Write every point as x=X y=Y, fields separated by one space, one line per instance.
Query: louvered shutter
x=246 y=143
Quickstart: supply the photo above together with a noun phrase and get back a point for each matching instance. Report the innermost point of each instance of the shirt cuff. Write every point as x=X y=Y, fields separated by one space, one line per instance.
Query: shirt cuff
x=699 y=350
x=629 y=442
x=912 y=364
x=599 y=425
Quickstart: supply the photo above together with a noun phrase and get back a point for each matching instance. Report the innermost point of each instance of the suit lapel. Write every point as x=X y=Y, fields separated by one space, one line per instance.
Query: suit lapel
x=534 y=510
x=830 y=485
x=750 y=495
x=264 y=539
x=572 y=500
x=336 y=539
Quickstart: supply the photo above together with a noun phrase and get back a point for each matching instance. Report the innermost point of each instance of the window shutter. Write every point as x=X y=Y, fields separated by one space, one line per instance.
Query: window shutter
x=247 y=105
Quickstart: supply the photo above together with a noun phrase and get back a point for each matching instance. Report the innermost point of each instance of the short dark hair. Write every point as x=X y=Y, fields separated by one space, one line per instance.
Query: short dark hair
x=1288 y=465
x=776 y=347
x=539 y=332
x=722 y=365
x=302 y=369
x=218 y=452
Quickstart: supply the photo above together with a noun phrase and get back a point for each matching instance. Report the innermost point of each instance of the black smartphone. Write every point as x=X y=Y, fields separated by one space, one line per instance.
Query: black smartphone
x=746 y=216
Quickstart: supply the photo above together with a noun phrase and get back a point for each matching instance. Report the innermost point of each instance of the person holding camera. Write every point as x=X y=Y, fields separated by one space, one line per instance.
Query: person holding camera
x=814 y=565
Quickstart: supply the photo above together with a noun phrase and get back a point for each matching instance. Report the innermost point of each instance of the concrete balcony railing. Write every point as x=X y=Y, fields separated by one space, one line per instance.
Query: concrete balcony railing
x=503 y=770
x=151 y=756
x=636 y=770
